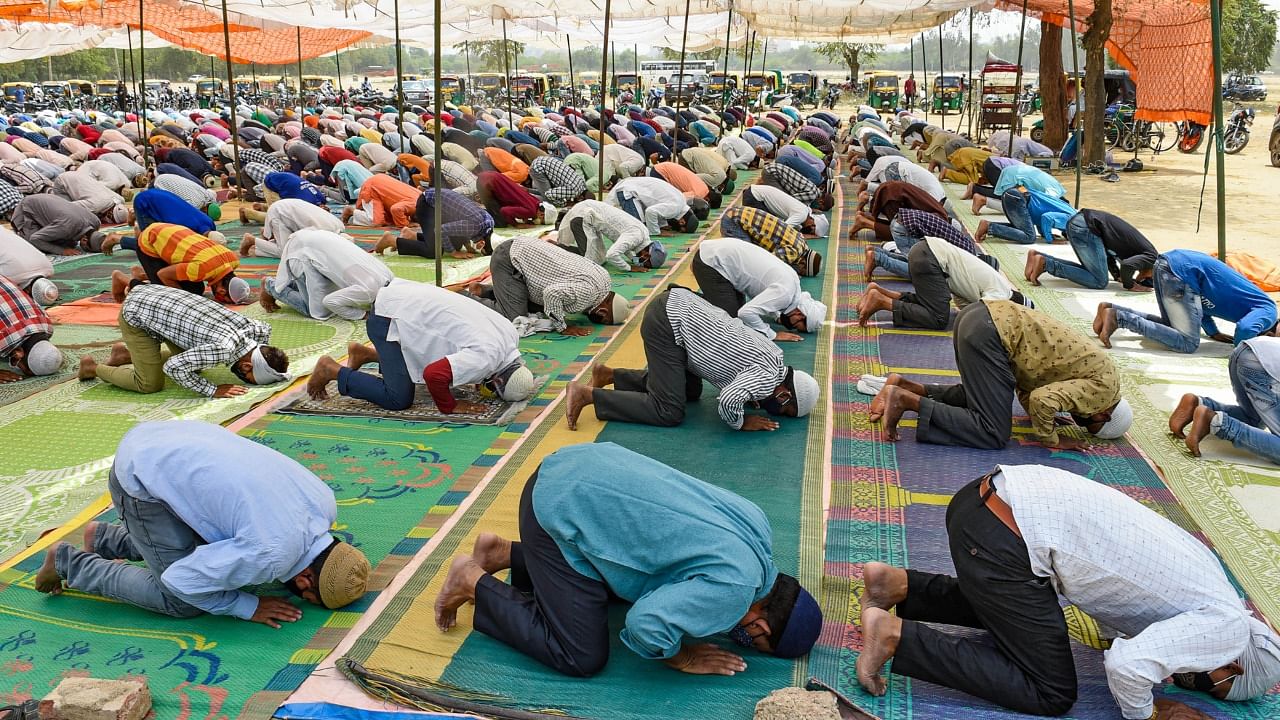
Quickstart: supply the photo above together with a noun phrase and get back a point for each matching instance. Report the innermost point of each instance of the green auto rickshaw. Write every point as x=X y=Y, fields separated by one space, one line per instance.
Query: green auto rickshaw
x=948 y=93
x=882 y=91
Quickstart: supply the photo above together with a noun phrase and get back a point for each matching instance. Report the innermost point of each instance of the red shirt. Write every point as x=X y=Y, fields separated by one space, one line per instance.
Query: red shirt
x=334 y=155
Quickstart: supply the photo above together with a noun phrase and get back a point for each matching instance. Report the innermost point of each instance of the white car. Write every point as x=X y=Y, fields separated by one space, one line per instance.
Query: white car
x=195 y=78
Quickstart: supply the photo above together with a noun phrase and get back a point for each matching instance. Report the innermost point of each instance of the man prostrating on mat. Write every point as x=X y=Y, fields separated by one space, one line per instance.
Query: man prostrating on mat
x=210 y=513
x=599 y=521
x=1025 y=535
x=425 y=334
x=688 y=340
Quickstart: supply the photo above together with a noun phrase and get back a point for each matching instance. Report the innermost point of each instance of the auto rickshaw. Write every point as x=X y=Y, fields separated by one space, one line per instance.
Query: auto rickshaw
x=803 y=87
x=760 y=88
x=882 y=91
x=720 y=82
x=491 y=84
x=208 y=89
x=106 y=88
x=533 y=86
x=454 y=88
x=632 y=82
x=948 y=93
x=56 y=91
x=314 y=83
x=11 y=90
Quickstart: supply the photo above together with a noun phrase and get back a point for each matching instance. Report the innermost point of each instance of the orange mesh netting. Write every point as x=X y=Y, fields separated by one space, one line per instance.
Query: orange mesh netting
x=192 y=28
x=1164 y=44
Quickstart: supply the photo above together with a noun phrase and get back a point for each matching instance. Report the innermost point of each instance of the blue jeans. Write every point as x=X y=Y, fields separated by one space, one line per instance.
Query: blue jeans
x=395 y=389
x=294 y=294
x=629 y=206
x=1258 y=397
x=902 y=237
x=148 y=532
x=1178 y=326
x=1091 y=271
x=1019 y=229
x=890 y=262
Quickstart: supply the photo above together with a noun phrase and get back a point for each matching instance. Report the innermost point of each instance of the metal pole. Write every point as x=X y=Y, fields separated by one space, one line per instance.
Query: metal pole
x=133 y=70
x=764 y=62
x=515 y=54
x=724 y=96
x=337 y=67
x=1215 y=15
x=604 y=60
x=635 y=68
x=922 y=87
x=302 y=105
x=506 y=63
x=1016 y=122
x=613 y=75
x=466 y=51
x=226 y=44
x=941 y=71
x=400 y=78
x=573 y=87
x=437 y=99
x=912 y=53
x=746 y=60
x=1075 y=69
x=253 y=74
x=680 y=84
x=142 y=81
x=968 y=75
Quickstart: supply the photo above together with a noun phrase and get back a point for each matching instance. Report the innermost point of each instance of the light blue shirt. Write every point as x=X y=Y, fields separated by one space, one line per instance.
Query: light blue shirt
x=691 y=557
x=1029 y=177
x=263 y=517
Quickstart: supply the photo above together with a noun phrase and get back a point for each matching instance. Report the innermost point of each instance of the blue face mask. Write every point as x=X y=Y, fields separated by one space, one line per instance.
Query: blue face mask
x=740 y=636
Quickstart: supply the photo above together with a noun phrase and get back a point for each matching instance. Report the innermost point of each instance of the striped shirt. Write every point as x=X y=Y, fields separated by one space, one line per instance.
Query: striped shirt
x=561 y=282
x=922 y=224
x=195 y=195
x=198 y=258
x=566 y=183
x=740 y=361
x=788 y=179
x=20 y=317
x=208 y=333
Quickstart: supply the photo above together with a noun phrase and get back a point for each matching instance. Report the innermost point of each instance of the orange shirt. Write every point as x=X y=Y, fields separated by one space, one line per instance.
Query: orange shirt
x=419 y=169
x=380 y=192
x=197 y=258
x=683 y=179
x=504 y=162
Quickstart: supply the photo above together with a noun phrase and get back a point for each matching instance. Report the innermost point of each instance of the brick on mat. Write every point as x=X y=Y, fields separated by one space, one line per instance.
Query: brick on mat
x=97 y=699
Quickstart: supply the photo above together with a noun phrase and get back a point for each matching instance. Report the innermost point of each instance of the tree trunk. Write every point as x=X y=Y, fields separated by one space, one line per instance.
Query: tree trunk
x=1095 y=93
x=1053 y=86
x=854 y=61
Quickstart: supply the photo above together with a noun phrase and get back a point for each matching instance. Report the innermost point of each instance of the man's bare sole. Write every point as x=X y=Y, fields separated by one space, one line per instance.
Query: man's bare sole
x=388 y=240
x=601 y=376
x=880 y=634
x=1034 y=268
x=492 y=552
x=119 y=285
x=894 y=407
x=47 y=579
x=1104 y=323
x=359 y=355
x=458 y=590
x=267 y=302
x=1183 y=414
x=326 y=370
x=885 y=586
x=1199 y=429
x=577 y=397
x=88 y=368
x=868 y=265
x=878 y=402
x=247 y=243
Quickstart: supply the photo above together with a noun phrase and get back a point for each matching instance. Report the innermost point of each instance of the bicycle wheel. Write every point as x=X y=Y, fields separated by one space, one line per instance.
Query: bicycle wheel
x=1162 y=137
x=1111 y=133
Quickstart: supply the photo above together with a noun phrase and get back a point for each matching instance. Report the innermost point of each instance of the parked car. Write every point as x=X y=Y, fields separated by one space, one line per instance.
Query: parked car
x=417 y=92
x=195 y=78
x=1244 y=88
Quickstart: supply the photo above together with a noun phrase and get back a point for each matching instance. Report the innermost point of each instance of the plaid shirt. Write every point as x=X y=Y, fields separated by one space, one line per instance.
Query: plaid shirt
x=461 y=220
x=922 y=224
x=194 y=195
x=254 y=155
x=25 y=179
x=771 y=233
x=208 y=333
x=20 y=317
x=10 y=196
x=744 y=364
x=561 y=282
x=566 y=183
x=458 y=178
x=781 y=176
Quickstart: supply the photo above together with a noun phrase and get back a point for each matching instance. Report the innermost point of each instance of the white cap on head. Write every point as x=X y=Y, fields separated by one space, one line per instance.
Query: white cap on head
x=519 y=385
x=120 y=213
x=621 y=309
x=217 y=237
x=549 y=213
x=1121 y=419
x=815 y=312
x=807 y=392
x=44 y=358
x=264 y=374
x=238 y=290
x=44 y=291
x=821 y=225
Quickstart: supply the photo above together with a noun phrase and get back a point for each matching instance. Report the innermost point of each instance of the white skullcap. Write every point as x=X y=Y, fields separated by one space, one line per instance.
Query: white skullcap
x=814 y=312
x=120 y=213
x=44 y=291
x=44 y=358
x=264 y=374
x=1121 y=419
x=549 y=213
x=807 y=392
x=821 y=225
x=621 y=309
x=238 y=290
x=519 y=385
x=217 y=237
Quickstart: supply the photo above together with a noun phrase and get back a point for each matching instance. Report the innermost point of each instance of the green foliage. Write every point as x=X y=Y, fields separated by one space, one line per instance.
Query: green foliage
x=489 y=54
x=1248 y=35
x=851 y=54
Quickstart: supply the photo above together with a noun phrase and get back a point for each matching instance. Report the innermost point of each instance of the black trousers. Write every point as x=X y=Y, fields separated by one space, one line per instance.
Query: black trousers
x=749 y=200
x=152 y=266
x=550 y=611
x=657 y=394
x=928 y=306
x=977 y=412
x=1029 y=667
x=990 y=176
x=716 y=288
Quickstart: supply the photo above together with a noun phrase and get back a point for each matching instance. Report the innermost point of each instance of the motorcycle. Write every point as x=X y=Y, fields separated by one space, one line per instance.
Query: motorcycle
x=1244 y=93
x=1190 y=135
x=833 y=95
x=654 y=98
x=1237 y=130
x=1275 y=140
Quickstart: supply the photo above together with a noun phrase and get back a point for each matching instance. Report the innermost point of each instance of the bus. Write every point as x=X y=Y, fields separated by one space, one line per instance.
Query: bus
x=659 y=72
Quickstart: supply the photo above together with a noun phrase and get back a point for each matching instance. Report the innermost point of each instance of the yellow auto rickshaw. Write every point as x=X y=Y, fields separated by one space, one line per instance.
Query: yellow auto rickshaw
x=11 y=91
x=531 y=85
x=489 y=83
x=106 y=88
x=882 y=90
x=454 y=88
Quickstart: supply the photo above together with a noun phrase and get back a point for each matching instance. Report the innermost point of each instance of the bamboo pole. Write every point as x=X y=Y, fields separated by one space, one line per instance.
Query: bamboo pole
x=400 y=77
x=142 y=79
x=1016 y=123
x=724 y=96
x=604 y=60
x=438 y=108
x=681 y=83
x=235 y=144
x=1075 y=69
x=1215 y=15
x=942 y=69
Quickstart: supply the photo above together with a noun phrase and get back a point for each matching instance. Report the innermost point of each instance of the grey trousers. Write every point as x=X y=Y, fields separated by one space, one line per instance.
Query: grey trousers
x=977 y=412
x=716 y=288
x=928 y=306
x=148 y=532
x=510 y=293
x=657 y=394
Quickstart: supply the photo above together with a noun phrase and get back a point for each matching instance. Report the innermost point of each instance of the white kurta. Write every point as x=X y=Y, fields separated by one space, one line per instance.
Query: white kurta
x=658 y=200
x=626 y=235
x=340 y=278
x=737 y=151
x=85 y=191
x=20 y=261
x=628 y=162
x=969 y=278
x=107 y=174
x=432 y=323
x=289 y=215
x=781 y=203
x=1135 y=572
x=772 y=286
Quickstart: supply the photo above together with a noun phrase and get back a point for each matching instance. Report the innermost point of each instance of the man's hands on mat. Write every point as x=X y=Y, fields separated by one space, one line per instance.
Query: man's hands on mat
x=758 y=422
x=226 y=391
x=1223 y=338
x=788 y=337
x=1171 y=710
x=576 y=331
x=7 y=376
x=1068 y=443
x=273 y=610
x=706 y=659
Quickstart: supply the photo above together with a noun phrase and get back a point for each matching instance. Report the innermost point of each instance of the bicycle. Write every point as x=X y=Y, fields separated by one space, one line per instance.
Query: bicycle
x=1124 y=131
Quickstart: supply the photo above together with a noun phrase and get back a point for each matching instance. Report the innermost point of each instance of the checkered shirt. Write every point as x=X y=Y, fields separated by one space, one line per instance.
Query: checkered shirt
x=922 y=224
x=197 y=196
x=561 y=282
x=798 y=185
x=20 y=317
x=566 y=183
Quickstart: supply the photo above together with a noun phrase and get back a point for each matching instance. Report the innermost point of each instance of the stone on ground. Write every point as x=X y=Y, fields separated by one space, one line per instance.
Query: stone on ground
x=793 y=703
x=97 y=699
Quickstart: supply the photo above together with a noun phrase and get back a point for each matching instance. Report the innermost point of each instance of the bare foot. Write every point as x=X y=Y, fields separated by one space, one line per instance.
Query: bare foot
x=601 y=376
x=1034 y=268
x=109 y=245
x=459 y=589
x=119 y=285
x=981 y=234
x=326 y=371
x=1182 y=414
x=388 y=240
x=897 y=401
x=868 y=265
x=90 y=534
x=878 y=402
x=978 y=203
x=359 y=355
x=244 y=217
x=267 y=302
x=886 y=586
x=1199 y=429
x=88 y=368
x=968 y=192
x=48 y=580
x=119 y=355
x=246 y=245
x=577 y=397
x=872 y=302
x=1104 y=323
x=880 y=634
x=492 y=552
x=138 y=273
